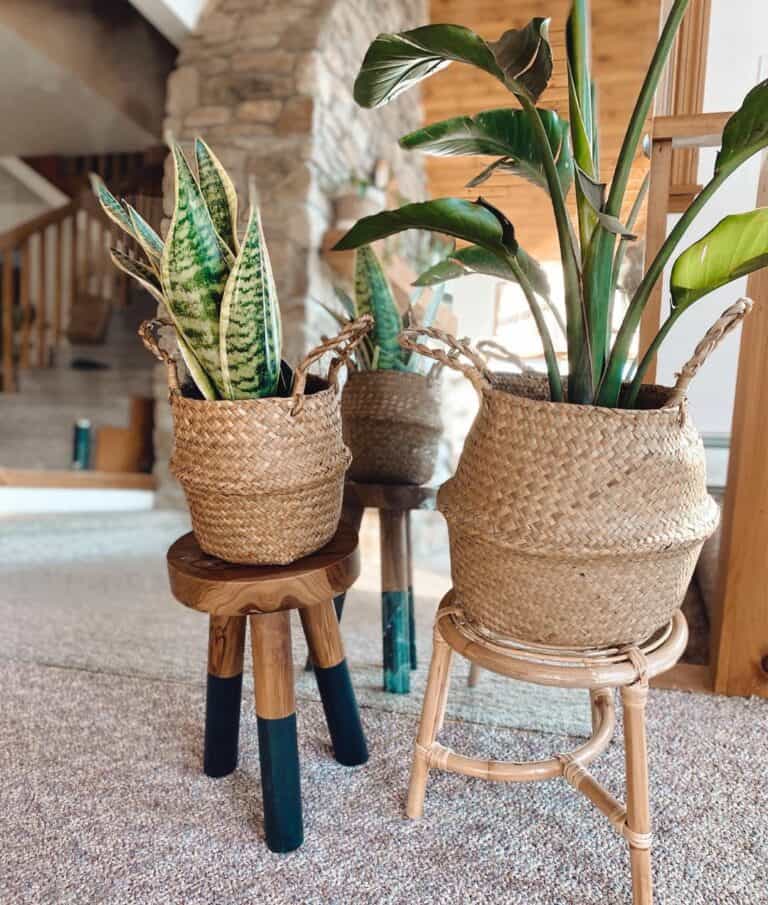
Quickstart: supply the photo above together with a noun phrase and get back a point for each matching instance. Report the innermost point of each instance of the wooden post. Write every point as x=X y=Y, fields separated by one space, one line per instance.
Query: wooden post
x=276 y=716
x=321 y=628
x=394 y=601
x=24 y=302
x=656 y=233
x=73 y=264
x=9 y=379
x=634 y=698
x=740 y=631
x=58 y=282
x=42 y=300
x=226 y=642
x=411 y=598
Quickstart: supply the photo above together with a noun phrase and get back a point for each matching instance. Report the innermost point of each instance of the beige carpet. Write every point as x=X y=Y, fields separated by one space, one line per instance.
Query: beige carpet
x=103 y=800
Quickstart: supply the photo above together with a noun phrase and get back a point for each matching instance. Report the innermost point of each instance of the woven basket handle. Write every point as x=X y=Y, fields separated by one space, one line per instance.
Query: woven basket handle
x=477 y=372
x=343 y=345
x=729 y=319
x=491 y=349
x=149 y=332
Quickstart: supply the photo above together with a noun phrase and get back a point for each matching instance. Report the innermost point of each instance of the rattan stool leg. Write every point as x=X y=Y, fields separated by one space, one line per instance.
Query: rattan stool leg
x=276 y=713
x=474 y=675
x=432 y=712
x=634 y=698
x=321 y=627
x=396 y=646
x=411 y=597
x=226 y=640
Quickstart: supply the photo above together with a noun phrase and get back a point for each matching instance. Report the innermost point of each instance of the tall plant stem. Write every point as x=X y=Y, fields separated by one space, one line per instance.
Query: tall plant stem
x=550 y=356
x=608 y=392
x=598 y=276
x=634 y=388
x=580 y=378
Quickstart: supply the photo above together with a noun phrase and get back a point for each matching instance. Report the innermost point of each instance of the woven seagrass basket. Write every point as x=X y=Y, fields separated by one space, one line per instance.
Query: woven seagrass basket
x=571 y=525
x=392 y=425
x=264 y=478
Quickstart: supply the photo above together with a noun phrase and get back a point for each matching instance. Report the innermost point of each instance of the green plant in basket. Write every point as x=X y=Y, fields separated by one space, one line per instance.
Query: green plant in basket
x=562 y=156
x=373 y=295
x=219 y=292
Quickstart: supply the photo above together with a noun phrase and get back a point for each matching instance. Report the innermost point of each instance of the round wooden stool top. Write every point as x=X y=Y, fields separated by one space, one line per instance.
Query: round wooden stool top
x=221 y=588
x=389 y=496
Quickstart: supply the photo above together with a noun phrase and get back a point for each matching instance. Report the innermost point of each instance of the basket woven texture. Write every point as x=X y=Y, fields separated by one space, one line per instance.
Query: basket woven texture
x=391 y=422
x=571 y=525
x=264 y=478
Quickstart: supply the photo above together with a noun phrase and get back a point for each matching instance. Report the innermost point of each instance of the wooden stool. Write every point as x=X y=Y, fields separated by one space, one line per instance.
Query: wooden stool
x=266 y=595
x=395 y=503
x=628 y=668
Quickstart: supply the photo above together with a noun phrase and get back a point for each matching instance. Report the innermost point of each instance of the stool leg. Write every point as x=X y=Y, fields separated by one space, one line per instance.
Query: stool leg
x=634 y=698
x=338 y=605
x=321 y=628
x=432 y=712
x=226 y=640
x=278 y=749
x=474 y=675
x=394 y=602
x=411 y=600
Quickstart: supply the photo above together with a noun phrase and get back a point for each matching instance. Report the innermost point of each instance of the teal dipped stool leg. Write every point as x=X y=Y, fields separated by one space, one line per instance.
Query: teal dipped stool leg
x=276 y=712
x=395 y=609
x=411 y=598
x=321 y=628
x=226 y=642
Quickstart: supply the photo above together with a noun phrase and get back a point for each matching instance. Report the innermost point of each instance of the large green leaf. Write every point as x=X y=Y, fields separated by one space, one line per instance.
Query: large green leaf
x=737 y=246
x=219 y=193
x=250 y=321
x=504 y=133
x=525 y=58
x=746 y=132
x=373 y=295
x=467 y=220
x=194 y=271
x=396 y=62
x=473 y=259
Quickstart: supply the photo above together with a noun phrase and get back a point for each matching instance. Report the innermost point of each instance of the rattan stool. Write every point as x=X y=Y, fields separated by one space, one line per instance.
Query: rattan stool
x=395 y=503
x=265 y=595
x=600 y=671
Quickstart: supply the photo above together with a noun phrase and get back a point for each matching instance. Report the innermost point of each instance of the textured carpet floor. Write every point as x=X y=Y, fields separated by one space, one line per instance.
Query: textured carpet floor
x=102 y=799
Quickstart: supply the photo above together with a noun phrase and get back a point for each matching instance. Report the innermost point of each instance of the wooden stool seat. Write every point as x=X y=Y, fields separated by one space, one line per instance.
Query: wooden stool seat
x=395 y=503
x=628 y=668
x=265 y=595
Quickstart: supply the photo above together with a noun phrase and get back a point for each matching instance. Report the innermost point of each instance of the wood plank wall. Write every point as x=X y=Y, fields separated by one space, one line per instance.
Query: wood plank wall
x=624 y=36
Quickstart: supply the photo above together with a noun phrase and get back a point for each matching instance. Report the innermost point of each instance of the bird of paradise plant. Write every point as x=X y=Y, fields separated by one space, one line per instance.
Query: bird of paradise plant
x=540 y=146
x=219 y=292
x=380 y=350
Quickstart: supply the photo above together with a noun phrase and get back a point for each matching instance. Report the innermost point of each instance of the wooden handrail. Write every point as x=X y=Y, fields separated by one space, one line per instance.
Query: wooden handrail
x=12 y=238
x=697 y=130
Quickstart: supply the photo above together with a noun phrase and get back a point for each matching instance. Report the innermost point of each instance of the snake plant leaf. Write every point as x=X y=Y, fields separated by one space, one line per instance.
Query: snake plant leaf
x=341 y=319
x=525 y=58
x=504 y=133
x=110 y=205
x=196 y=372
x=737 y=246
x=250 y=321
x=396 y=62
x=194 y=271
x=467 y=220
x=373 y=295
x=347 y=303
x=151 y=244
x=144 y=275
x=219 y=194
x=746 y=132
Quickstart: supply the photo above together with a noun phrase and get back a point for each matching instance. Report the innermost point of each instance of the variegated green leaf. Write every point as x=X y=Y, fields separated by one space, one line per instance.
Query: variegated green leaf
x=151 y=244
x=144 y=275
x=194 y=271
x=196 y=372
x=250 y=321
x=374 y=296
x=219 y=193
x=110 y=205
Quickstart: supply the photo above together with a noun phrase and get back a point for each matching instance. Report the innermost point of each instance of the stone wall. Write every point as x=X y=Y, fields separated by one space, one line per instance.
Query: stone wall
x=269 y=85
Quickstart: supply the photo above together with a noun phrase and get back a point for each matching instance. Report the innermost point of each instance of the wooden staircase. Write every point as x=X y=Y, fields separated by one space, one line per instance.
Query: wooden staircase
x=56 y=276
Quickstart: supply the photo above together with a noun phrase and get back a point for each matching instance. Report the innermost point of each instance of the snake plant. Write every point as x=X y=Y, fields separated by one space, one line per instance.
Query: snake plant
x=558 y=156
x=219 y=293
x=373 y=295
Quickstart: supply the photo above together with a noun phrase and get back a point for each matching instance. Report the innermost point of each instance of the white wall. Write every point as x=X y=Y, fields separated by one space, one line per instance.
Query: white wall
x=737 y=42
x=17 y=202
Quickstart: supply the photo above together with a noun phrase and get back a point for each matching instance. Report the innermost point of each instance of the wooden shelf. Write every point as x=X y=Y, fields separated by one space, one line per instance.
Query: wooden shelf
x=81 y=480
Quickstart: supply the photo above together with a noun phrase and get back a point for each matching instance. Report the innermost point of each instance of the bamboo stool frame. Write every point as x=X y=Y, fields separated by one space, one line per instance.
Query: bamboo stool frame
x=599 y=671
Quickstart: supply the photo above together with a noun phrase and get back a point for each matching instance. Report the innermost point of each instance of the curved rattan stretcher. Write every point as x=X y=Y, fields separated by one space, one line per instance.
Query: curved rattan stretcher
x=628 y=668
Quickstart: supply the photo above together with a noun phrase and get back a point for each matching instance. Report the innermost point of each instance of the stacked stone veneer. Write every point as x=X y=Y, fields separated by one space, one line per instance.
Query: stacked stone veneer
x=268 y=83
